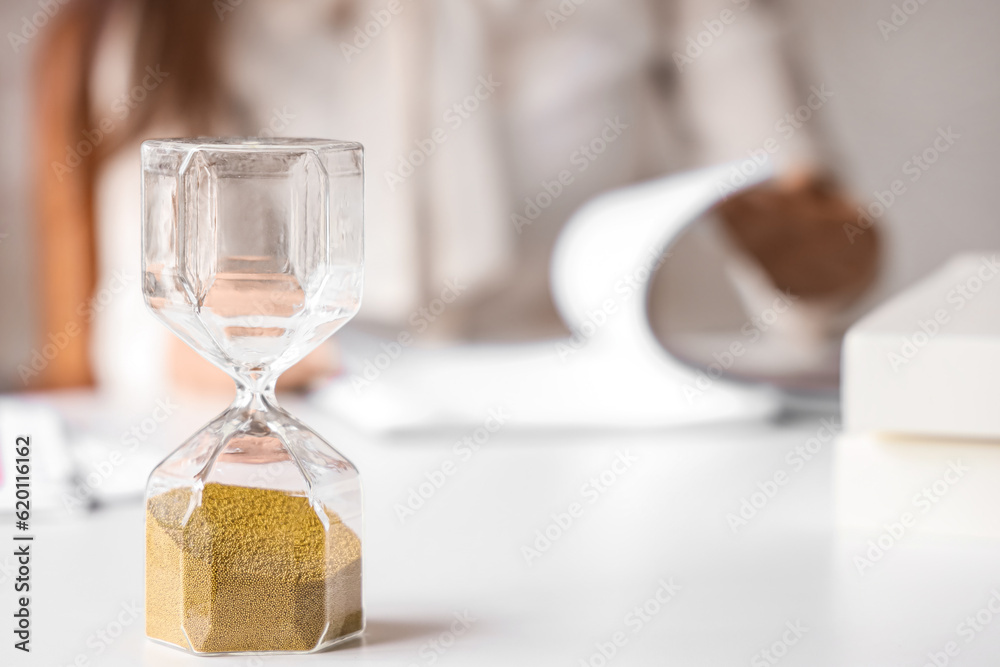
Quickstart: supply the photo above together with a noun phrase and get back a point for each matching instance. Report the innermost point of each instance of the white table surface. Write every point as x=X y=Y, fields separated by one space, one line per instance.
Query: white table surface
x=663 y=519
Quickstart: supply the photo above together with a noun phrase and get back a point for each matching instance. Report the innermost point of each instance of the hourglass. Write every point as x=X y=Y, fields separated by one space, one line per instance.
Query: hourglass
x=253 y=255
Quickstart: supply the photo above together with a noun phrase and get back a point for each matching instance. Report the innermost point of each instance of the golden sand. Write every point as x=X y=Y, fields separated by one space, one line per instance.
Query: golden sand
x=251 y=570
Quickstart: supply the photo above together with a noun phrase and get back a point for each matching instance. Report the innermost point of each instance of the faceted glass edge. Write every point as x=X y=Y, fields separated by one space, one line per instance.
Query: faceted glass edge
x=250 y=143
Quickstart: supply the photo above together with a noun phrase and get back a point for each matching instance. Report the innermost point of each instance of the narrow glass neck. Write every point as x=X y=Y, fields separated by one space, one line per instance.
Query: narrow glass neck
x=255 y=393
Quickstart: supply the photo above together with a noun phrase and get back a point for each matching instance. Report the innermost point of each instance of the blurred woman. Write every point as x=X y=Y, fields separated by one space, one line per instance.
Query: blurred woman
x=486 y=124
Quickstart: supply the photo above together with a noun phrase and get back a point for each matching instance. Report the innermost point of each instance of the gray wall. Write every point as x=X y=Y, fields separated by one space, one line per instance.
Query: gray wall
x=940 y=69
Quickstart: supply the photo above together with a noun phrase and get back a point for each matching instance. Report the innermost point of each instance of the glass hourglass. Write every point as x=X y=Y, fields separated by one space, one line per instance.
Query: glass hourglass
x=253 y=255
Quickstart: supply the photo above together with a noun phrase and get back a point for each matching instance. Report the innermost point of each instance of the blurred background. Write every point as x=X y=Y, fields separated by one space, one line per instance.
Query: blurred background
x=467 y=110
x=487 y=125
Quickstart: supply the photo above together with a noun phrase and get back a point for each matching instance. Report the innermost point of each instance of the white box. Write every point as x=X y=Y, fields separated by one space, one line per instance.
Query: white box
x=928 y=361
